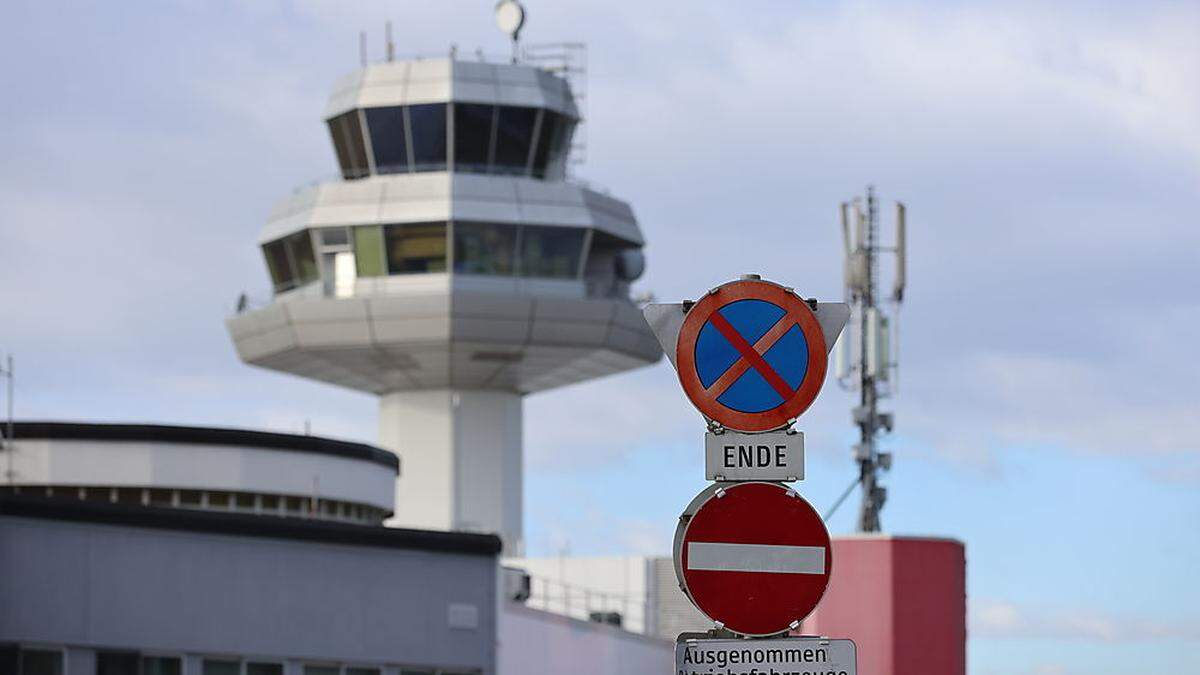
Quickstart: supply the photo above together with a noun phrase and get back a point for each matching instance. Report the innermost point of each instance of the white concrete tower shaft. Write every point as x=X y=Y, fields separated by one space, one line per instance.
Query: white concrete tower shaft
x=462 y=460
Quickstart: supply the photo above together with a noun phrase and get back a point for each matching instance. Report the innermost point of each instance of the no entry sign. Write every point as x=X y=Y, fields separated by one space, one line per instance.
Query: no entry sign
x=751 y=355
x=754 y=557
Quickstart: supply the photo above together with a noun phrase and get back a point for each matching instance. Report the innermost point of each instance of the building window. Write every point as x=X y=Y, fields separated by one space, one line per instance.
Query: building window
x=99 y=494
x=361 y=671
x=388 y=142
x=26 y=661
x=189 y=497
x=291 y=261
x=334 y=237
x=117 y=663
x=320 y=670
x=221 y=667
x=552 y=142
x=418 y=247
x=301 y=247
x=348 y=144
x=484 y=248
x=264 y=669
x=368 y=251
x=278 y=264
x=551 y=252
x=428 y=125
x=132 y=496
x=472 y=136
x=160 y=665
x=270 y=503
x=487 y=139
x=514 y=136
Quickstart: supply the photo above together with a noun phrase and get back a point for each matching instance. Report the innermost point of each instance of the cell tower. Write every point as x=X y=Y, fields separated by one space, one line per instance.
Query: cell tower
x=871 y=365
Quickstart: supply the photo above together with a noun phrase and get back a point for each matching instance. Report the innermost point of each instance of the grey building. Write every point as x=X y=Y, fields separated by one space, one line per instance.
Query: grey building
x=112 y=589
x=169 y=550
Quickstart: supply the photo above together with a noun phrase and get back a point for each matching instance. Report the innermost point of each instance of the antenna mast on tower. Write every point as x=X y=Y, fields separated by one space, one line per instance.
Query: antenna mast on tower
x=871 y=366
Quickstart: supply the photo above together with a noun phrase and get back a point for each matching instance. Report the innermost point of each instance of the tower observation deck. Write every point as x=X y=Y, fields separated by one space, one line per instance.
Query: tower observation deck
x=452 y=270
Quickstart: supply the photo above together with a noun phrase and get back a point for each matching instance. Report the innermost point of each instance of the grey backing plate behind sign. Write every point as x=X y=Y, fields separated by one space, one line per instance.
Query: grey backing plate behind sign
x=666 y=318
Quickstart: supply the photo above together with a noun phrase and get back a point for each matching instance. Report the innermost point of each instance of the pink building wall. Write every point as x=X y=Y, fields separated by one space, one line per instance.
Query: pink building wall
x=903 y=600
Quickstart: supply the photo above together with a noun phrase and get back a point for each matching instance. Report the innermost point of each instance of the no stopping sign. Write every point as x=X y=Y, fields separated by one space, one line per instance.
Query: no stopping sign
x=751 y=355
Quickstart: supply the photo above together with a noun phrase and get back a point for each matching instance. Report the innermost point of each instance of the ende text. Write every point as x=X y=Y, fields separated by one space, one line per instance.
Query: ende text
x=737 y=456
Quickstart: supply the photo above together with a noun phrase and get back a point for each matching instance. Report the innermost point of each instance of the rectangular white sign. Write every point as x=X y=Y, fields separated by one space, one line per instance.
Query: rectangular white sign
x=773 y=656
x=756 y=558
x=771 y=456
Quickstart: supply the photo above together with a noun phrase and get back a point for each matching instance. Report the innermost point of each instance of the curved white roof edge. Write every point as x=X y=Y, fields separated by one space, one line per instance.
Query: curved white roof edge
x=440 y=80
x=127 y=460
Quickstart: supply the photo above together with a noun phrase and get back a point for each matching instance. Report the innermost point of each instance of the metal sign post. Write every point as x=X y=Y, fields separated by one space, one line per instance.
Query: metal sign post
x=751 y=553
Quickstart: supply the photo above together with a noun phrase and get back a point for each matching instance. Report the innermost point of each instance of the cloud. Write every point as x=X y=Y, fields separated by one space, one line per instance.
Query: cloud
x=1005 y=399
x=999 y=619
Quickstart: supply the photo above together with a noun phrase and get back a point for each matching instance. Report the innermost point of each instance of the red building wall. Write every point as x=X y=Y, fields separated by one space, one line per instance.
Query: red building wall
x=903 y=600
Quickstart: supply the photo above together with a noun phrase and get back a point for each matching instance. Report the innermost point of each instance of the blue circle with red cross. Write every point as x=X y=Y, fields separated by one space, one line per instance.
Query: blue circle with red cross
x=729 y=337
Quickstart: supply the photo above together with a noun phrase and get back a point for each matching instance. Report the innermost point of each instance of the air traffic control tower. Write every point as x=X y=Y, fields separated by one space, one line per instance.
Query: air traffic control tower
x=452 y=270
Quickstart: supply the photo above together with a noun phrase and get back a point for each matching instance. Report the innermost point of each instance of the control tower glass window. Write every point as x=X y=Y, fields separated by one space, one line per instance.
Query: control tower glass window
x=553 y=139
x=369 y=260
x=388 y=143
x=514 y=136
x=552 y=252
x=495 y=139
x=417 y=247
x=484 y=248
x=348 y=143
x=291 y=261
x=428 y=124
x=301 y=247
x=472 y=136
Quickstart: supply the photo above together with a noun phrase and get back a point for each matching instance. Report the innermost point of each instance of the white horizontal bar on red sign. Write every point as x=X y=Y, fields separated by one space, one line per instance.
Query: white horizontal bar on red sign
x=722 y=557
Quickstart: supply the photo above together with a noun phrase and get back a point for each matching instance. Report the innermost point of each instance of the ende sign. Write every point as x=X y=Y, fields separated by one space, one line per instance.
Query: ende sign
x=695 y=655
x=733 y=456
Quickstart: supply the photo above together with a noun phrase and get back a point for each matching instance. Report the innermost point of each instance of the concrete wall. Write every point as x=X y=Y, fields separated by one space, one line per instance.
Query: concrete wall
x=674 y=613
x=901 y=599
x=460 y=460
x=195 y=466
x=87 y=585
x=532 y=641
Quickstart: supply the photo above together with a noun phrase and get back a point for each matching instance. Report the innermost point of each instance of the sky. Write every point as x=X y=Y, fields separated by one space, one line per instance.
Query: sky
x=1049 y=153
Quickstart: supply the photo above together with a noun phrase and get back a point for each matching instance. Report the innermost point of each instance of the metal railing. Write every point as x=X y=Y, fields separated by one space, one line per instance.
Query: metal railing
x=581 y=602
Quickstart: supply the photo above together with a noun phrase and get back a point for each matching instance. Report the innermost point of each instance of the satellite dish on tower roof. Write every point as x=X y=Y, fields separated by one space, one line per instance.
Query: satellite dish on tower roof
x=510 y=16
